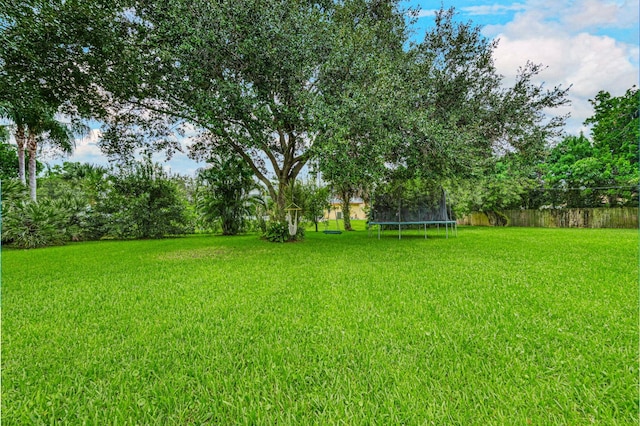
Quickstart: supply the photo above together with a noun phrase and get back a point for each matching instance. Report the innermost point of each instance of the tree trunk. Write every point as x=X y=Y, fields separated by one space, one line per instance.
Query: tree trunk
x=346 y=209
x=497 y=218
x=32 y=148
x=281 y=199
x=21 y=143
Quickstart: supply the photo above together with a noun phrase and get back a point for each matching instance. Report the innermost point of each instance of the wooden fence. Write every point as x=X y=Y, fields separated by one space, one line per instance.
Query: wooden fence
x=625 y=217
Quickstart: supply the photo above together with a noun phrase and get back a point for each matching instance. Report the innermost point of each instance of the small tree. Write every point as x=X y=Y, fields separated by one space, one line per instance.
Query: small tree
x=143 y=202
x=579 y=173
x=506 y=183
x=33 y=127
x=316 y=202
x=615 y=134
x=616 y=124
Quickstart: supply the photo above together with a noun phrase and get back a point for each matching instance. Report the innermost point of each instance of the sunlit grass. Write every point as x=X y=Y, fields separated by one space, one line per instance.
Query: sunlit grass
x=496 y=326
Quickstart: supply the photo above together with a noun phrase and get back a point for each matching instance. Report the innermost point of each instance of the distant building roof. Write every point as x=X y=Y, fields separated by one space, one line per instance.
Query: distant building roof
x=354 y=200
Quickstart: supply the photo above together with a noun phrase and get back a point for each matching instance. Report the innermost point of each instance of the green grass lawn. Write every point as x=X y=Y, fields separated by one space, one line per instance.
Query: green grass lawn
x=497 y=326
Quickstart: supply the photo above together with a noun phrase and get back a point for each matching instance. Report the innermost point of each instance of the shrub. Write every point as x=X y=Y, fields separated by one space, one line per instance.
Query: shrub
x=77 y=194
x=30 y=224
x=224 y=193
x=143 y=202
x=278 y=232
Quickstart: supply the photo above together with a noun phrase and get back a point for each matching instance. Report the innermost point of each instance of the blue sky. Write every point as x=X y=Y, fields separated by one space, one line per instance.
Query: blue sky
x=590 y=45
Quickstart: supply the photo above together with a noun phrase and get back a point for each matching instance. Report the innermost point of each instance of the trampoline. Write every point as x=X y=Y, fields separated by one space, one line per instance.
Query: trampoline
x=424 y=210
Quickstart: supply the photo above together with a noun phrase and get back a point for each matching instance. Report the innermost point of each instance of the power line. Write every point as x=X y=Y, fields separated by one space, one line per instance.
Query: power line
x=583 y=188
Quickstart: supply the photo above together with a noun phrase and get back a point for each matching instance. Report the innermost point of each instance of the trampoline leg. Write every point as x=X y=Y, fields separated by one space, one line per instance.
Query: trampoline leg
x=379 y=226
x=399 y=231
x=425 y=231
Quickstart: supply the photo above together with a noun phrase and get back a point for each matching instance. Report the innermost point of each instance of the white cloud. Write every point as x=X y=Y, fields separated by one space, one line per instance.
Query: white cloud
x=588 y=62
x=493 y=9
x=561 y=36
x=568 y=17
x=424 y=13
x=593 y=14
x=87 y=146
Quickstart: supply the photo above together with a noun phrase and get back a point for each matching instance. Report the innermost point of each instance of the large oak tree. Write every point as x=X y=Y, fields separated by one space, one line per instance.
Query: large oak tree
x=277 y=83
x=251 y=76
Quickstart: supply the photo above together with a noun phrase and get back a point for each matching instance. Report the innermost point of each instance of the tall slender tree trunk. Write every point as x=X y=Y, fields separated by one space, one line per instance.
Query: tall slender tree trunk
x=21 y=143
x=32 y=148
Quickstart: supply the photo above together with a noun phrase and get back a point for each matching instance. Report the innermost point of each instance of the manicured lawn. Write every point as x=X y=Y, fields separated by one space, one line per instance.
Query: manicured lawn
x=497 y=326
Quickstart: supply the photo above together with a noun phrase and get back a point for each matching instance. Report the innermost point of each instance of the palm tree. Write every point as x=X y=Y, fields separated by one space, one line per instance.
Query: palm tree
x=19 y=134
x=43 y=128
x=224 y=192
x=16 y=116
x=33 y=127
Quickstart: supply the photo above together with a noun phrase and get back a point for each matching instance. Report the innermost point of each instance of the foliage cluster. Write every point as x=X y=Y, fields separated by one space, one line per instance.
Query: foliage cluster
x=144 y=202
x=577 y=172
x=8 y=161
x=278 y=232
x=84 y=202
x=278 y=85
x=29 y=225
x=79 y=202
x=224 y=194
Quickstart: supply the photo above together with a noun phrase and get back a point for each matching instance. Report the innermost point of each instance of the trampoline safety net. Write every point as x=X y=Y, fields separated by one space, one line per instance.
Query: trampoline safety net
x=423 y=208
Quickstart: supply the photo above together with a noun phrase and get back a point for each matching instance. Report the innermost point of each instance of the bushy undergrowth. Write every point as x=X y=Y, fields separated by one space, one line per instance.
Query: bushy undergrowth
x=84 y=202
x=143 y=202
x=278 y=232
x=29 y=225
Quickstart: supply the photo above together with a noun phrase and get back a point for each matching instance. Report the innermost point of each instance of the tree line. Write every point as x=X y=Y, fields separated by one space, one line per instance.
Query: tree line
x=274 y=86
x=83 y=202
x=141 y=200
x=600 y=170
